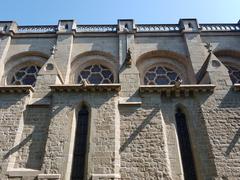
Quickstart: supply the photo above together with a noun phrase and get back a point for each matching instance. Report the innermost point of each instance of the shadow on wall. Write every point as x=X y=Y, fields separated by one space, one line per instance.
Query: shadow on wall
x=233 y=143
x=8 y=100
x=230 y=100
x=19 y=146
x=137 y=130
x=197 y=129
x=37 y=45
x=31 y=147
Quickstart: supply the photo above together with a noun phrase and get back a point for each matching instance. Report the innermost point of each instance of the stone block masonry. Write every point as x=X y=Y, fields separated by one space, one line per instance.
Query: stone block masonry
x=102 y=102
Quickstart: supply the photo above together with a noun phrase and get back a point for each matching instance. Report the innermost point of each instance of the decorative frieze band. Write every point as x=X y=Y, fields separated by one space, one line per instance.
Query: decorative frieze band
x=89 y=87
x=10 y=26
x=182 y=90
x=26 y=89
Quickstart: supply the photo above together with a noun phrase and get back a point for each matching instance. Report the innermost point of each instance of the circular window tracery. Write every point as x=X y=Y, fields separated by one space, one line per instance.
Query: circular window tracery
x=96 y=74
x=234 y=74
x=160 y=75
x=26 y=75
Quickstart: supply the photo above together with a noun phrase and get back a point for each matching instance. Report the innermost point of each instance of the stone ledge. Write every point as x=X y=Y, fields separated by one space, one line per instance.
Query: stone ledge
x=109 y=176
x=22 y=172
x=236 y=87
x=182 y=90
x=130 y=101
x=49 y=176
x=25 y=89
x=86 y=88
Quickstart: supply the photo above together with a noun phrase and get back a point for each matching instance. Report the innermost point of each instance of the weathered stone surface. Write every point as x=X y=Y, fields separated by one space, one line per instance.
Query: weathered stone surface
x=132 y=130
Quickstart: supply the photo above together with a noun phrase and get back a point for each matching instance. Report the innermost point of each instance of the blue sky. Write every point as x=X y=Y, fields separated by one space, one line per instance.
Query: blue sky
x=27 y=12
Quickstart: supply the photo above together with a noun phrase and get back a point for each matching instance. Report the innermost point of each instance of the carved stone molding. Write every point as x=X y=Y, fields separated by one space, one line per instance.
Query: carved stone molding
x=49 y=176
x=25 y=89
x=105 y=176
x=182 y=90
x=86 y=88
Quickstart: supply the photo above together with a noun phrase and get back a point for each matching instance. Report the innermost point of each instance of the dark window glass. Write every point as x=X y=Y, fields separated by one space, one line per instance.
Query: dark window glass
x=80 y=148
x=96 y=74
x=160 y=75
x=26 y=75
x=185 y=147
x=234 y=74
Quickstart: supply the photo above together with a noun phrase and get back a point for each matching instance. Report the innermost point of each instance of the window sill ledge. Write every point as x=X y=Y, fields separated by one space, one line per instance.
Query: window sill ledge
x=22 y=172
x=24 y=89
x=182 y=90
x=87 y=88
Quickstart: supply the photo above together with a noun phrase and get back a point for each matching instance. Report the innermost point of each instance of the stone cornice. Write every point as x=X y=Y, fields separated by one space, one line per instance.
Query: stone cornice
x=25 y=89
x=184 y=25
x=86 y=88
x=182 y=90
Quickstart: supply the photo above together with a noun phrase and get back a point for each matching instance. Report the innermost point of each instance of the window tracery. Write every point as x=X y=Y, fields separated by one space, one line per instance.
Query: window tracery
x=96 y=74
x=27 y=75
x=234 y=74
x=160 y=75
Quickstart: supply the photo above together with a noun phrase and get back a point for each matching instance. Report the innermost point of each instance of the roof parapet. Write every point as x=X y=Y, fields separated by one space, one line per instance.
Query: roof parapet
x=123 y=26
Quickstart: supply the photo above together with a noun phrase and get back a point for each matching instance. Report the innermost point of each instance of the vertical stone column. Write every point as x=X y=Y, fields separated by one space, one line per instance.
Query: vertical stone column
x=206 y=63
x=66 y=30
x=128 y=74
x=7 y=29
x=196 y=50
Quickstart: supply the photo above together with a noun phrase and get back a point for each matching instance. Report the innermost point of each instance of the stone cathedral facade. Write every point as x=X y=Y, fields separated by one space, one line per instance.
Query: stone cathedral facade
x=126 y=101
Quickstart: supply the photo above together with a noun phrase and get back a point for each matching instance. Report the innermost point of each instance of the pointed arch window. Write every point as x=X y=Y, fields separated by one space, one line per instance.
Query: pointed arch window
x=80 y=147
x=185 y=146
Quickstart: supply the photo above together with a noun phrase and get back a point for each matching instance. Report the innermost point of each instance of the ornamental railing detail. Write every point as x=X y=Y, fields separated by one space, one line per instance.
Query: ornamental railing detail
x=157 y=27
x=96 y=28
x=37 y=29
x=139 y=28
x=220 y=27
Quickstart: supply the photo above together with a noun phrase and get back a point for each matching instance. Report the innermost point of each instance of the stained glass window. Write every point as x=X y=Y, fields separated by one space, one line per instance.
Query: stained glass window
x=80 y=148
x=185 y=146
x=96 y=74
x=234 y=74
x=160 y=75
x=26 y=75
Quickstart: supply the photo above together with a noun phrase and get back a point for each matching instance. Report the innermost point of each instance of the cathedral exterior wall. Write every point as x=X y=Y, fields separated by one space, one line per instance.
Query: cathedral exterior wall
x=132 y=130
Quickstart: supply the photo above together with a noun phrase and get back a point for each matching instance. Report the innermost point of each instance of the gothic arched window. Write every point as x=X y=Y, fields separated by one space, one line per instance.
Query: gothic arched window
x=234 y=73
x=80 y=147
x=96 y=74
x=185 y=146
x=27 y=75
x=160 y=75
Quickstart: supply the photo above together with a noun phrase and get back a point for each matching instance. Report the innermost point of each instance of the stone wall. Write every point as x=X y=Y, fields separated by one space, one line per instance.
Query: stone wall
x=12 y=106
x=132 y=131
x=143 y=144
x=34 y=136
